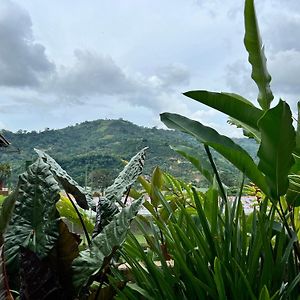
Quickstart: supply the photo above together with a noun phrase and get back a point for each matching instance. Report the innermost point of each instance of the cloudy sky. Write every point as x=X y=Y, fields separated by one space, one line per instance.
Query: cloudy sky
x=64 y=62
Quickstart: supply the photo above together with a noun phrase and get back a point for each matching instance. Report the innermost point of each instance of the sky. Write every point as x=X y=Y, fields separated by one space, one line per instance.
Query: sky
x=65 y=62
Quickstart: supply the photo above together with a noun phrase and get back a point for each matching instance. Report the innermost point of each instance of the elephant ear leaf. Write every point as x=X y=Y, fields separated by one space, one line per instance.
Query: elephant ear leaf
x=82 y=198
x=127 y=177
x=38 y=281
x=106 y=207
x=106 y=210
x=34 y=222
x=276 y=148
x=5 y=293
x=91 y=261
x=257 y=59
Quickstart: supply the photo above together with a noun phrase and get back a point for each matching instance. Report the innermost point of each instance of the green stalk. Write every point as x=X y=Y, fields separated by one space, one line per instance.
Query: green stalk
x=81 y=221
x=211 y=160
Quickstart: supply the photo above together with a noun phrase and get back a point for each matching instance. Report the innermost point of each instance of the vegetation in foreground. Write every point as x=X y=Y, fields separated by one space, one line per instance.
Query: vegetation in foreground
x=197 y=245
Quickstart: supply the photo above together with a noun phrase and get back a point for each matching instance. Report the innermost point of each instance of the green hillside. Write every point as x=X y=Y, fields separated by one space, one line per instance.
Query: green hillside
x=95 y=150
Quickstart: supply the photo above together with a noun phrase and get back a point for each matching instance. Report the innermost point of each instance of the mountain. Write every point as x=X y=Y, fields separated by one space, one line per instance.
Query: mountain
x=92 y=151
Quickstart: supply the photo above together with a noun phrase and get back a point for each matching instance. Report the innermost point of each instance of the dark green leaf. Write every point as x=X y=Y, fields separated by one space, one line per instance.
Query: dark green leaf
x=233 y=105
x=222 y=144
x=127 y=177
x=104 y=245
x=277 y=145
x=34 y=220
x=83 y=199
x=106 y=210
x=257 y=57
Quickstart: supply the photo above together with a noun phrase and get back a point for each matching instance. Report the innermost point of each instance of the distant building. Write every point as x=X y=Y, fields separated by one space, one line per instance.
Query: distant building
x=3 y=141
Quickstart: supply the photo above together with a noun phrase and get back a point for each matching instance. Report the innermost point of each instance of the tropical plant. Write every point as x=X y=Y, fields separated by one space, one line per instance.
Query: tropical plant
x=198 y=249
x=216 y=251
x=43 y=258
x=277 y=172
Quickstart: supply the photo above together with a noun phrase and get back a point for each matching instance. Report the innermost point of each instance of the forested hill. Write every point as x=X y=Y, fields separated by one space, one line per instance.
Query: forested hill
x=94 y=150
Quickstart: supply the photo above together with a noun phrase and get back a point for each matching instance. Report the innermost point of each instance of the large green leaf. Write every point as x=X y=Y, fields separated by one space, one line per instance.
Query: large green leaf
x=34 y=220
x=127 y=177
x=222 y=144
x=277 y=145
x=189 y=153
x=106 y=207
x=83 y=199
x=233 y=105
x=257 y=59
x=104 y=245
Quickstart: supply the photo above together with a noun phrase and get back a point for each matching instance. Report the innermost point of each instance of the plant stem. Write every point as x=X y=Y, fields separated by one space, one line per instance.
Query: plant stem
x=127 y=195
x=81 y=220
x=285 y=223
x=211 y=160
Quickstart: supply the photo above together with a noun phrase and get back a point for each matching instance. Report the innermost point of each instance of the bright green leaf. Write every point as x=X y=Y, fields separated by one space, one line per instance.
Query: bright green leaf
x=257 y=59
x=276 y=148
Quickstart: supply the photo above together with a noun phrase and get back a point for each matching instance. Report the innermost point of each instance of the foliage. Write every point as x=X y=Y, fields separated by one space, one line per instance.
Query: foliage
x=39 y=247
x=66 y=210
x=201 y=250
x=276 y=174
x=91 y=261
x=34 y=220
x=69 y=184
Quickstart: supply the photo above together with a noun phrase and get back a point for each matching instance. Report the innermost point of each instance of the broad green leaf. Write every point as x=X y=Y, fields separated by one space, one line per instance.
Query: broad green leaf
x=189 y=153
x=34 y=222
x=222 y=144
x=104 y=245
x=5 y=293
x=257 y=59
x=233 y=105
x=82 y=198
x=276 y=148
x=127 y=177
